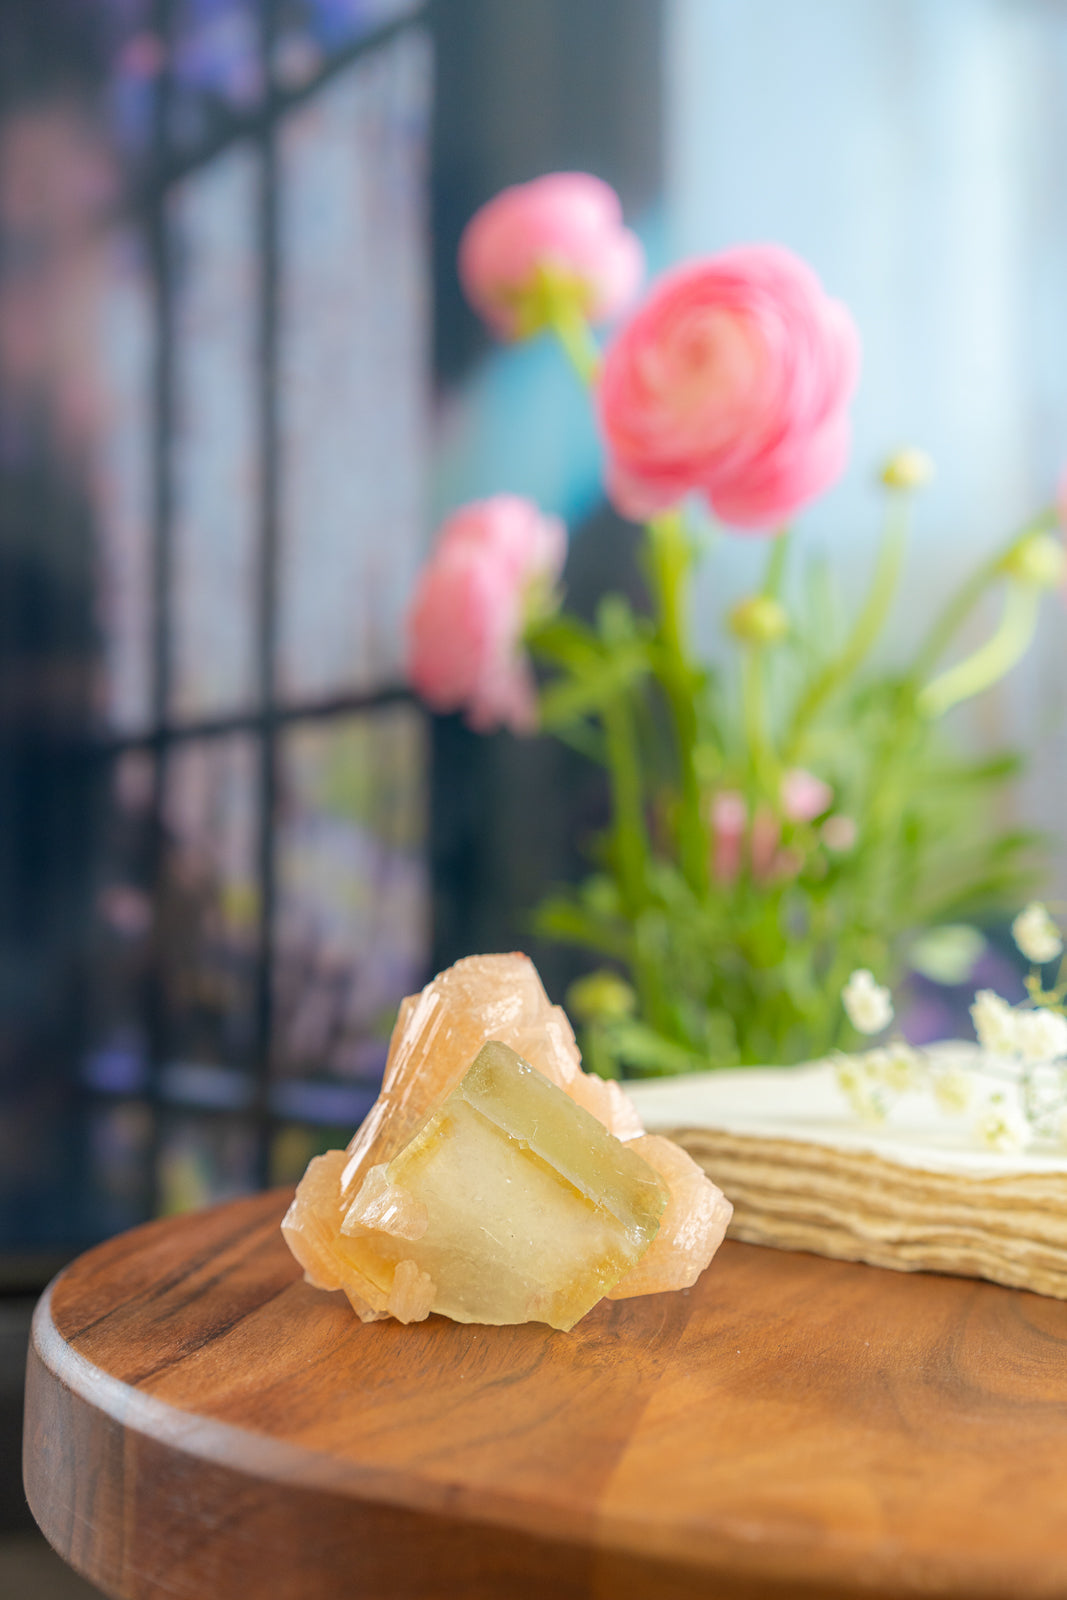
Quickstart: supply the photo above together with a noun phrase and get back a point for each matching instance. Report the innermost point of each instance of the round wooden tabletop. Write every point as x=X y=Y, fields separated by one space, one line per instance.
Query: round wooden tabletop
x=202 y=1424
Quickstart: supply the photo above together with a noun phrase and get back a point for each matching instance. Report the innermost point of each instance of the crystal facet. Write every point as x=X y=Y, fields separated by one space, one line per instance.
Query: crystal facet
x=494 y=1181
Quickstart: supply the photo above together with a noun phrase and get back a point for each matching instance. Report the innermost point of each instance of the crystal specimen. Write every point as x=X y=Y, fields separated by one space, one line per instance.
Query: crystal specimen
x=513 y=1202
x=477 y=1189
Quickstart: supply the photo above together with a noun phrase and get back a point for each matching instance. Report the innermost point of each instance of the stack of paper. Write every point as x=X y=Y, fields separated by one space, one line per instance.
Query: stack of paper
x=916 y=1192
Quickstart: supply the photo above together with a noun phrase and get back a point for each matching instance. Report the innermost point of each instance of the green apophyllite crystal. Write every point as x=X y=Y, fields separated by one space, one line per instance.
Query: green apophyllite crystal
x=510 y=1204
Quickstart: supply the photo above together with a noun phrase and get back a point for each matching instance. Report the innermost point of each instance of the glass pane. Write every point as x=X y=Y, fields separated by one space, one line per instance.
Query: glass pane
x=216 y=66
x=203 y=1160
x=294 y=1145
x=118 y=1182
x=137 y=54
x=208 y=920
x=121 y=934
x=353 y=371
x=121 y=387
x=311 y=31
x=216 y=456
x=352 y=932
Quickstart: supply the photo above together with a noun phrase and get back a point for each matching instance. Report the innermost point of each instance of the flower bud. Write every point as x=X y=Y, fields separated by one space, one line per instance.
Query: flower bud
x=758 y=620
x=601 y=997
x=1039 y=559
x=559 y=238
x=909 y=468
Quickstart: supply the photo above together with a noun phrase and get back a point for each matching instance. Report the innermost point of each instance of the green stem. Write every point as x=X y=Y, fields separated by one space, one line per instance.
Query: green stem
x=630 y=836
x=865 y=631
x=669 y=561
x=989 y=663
x=772 y=580
x=575 y=335
x=631 y=854
x=752 y=714
x=963 y=603
x=766 y=776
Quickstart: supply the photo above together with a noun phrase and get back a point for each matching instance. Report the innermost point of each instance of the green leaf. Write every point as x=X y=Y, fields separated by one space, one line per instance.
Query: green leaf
x=566 y=641
x=597 y=684
x=561 y=918
x=649 y=1054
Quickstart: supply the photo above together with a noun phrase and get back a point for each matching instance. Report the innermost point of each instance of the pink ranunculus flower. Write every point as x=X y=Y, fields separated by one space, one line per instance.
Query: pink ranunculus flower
x=530 y=546
x=568 y=224
x=494 y=562
x=733 y=378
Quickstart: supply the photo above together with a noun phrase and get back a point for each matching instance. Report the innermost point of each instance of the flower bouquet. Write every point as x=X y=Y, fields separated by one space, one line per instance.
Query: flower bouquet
x=791 y=817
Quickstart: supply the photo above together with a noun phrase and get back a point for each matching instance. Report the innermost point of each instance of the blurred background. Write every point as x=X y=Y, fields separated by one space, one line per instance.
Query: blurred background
x=238 y=386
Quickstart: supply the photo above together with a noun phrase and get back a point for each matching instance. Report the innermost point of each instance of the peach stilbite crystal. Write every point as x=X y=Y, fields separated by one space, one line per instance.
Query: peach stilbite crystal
x=691 y=1228
x=470 y=1191
x=511 y=1202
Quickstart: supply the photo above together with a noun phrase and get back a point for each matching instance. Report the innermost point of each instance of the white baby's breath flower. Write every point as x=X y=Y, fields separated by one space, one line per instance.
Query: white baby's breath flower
x=1002 y=1126
x=1036 y=935
x=1041 y=1035
x=1044 y=1098
x=903 y=1070
x=995 y=1023
x=875 y=1063
x=860 y=1088
x=952 y=1090
x=896 y=1065
x=869 y=1005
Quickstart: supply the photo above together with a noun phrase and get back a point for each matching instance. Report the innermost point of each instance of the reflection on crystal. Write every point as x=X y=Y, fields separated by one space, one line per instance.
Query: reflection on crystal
x=354 y=364
x=353 y=917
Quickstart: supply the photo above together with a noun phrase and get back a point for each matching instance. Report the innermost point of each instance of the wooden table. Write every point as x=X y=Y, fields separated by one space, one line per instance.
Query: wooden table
x=201 y=1423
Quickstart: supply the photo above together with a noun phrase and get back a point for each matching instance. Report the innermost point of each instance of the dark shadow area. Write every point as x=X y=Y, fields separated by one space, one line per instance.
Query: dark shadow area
x=524 y=90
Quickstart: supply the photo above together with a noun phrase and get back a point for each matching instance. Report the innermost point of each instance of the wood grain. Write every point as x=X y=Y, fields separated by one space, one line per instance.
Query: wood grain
x=202 y=1424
